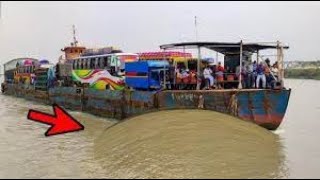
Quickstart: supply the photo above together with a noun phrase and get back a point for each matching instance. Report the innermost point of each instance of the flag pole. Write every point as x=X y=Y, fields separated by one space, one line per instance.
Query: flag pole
x=196 y=29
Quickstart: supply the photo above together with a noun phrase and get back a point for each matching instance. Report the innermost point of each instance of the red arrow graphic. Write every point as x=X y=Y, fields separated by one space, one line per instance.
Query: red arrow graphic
x=61 y=122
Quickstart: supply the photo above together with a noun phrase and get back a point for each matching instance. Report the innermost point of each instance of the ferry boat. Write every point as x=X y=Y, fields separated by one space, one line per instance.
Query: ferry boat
x=112 y=83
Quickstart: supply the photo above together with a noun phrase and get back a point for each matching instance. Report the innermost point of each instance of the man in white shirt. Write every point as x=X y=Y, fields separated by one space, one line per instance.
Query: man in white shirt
x=207 y=73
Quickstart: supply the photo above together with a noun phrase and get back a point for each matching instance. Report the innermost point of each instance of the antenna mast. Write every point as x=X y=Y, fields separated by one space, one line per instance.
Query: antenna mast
x=0 y=9
x=75 y=41
x=195 y=24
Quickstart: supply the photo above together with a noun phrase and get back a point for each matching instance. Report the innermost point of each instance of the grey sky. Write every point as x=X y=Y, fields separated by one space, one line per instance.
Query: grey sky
x=41 y=29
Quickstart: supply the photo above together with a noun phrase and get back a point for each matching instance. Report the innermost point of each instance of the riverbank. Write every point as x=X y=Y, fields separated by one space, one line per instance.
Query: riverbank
x=313 y=73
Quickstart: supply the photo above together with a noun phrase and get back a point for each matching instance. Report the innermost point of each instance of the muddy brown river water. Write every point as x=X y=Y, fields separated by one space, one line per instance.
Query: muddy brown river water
x=167 y=144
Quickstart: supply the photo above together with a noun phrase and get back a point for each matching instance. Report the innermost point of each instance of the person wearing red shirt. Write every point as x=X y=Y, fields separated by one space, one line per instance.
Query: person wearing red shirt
x=219 y=74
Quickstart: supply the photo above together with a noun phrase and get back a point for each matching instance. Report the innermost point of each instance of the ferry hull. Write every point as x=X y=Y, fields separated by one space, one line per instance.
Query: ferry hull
x=263 y=107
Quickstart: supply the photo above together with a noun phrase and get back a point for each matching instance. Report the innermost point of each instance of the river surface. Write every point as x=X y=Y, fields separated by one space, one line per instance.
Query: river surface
x=168 y=144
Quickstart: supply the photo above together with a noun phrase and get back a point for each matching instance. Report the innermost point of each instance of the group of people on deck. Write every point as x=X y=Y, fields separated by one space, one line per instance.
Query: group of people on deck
x=254 y=75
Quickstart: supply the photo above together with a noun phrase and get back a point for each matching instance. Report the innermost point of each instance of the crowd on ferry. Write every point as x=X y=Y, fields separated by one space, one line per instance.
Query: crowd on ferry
x=260 y=75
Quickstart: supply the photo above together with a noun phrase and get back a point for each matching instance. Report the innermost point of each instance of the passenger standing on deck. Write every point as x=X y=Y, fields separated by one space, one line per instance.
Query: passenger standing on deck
x=267 y=73
x=207 y=73
x=219 y=75
x=261 y=76
x=172 y=73
x=275 y=70
x=253 y=70
x=243 y=73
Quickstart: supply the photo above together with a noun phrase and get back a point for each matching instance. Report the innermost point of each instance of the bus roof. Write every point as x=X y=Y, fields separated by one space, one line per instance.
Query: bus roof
x=103 y=55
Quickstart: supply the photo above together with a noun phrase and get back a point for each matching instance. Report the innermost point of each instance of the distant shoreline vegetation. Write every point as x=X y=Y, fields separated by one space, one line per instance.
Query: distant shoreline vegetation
x=302 y=69
x=313 y=73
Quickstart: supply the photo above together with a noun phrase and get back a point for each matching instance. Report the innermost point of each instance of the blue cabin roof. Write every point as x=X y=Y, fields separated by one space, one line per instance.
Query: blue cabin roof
x=157 y=64
x=143 y=66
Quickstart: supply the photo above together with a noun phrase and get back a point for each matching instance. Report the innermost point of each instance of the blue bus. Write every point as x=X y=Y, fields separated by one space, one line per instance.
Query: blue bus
x=146 y=75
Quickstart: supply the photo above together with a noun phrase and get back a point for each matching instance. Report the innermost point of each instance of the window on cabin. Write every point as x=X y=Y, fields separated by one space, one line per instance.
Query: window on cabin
x=155 y=76
x=76 y=50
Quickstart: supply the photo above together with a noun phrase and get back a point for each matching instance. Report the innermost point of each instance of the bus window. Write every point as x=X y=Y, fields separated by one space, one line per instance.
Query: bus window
x=109 y=61
x=91 y=63
x=96 y=63
x=101 y=63
x=113 y=61
x=82 y=64
x=75 y=64
x=88 y=63
x=105 y=62
x=78 y=63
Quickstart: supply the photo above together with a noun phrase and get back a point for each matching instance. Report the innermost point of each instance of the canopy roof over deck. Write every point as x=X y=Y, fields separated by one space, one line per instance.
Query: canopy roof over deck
x=223 y=47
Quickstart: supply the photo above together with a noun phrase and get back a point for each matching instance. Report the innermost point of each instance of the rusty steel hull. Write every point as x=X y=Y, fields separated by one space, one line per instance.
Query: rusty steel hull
x=263 y=107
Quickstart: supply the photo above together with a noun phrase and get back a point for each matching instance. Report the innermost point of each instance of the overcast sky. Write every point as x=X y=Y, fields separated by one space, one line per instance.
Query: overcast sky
x=41 y=29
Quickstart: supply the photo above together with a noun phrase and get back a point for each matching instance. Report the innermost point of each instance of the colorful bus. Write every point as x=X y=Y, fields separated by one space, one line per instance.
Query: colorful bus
x=24 y=72
x=20 y=69
x=102 y=71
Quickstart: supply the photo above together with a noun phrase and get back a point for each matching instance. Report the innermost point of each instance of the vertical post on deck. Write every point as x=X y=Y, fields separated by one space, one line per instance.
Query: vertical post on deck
x=164 y=72
x=282 y=66
x=198 y=68
x=280 y=63
x=240 y=78
x=257 y=56
x=217 y=56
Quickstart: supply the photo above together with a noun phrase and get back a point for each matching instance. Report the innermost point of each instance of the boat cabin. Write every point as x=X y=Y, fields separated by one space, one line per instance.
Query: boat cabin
x=238 y=57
